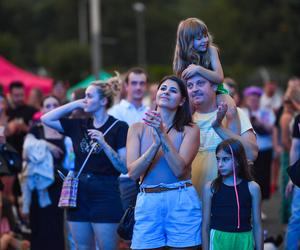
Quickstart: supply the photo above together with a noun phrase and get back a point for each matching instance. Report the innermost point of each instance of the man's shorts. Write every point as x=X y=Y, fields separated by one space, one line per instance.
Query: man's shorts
x=169 y=218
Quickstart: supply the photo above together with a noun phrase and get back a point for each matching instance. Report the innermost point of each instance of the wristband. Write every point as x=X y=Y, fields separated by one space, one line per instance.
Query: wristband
x=222 y=90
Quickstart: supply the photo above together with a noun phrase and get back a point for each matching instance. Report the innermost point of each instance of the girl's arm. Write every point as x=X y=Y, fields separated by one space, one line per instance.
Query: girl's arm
x=137 y=164
x=256 y=214
x=285 y=130
x=178 y=161
x=215 y=75
x=206 y=211
x=51 y=118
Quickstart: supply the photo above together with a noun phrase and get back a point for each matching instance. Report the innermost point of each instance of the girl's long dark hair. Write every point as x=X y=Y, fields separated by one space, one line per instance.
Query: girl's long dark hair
x=240 y=159
x=183 y=114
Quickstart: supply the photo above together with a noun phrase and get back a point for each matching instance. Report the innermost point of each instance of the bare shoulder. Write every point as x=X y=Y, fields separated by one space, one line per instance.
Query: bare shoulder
x=213 y=50
x=136 y=128
x=253 y=188
x=192 y=130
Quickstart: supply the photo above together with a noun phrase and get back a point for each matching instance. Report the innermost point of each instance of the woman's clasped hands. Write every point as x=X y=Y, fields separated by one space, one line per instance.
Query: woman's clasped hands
x=153 y=119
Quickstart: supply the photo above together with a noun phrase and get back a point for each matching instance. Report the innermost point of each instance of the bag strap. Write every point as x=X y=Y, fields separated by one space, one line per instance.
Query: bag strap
x=149 y=167
x=92 y=149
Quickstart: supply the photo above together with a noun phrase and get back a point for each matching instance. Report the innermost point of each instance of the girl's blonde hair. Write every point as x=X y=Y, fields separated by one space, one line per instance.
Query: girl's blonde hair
x=185 y=54
x=109 y=88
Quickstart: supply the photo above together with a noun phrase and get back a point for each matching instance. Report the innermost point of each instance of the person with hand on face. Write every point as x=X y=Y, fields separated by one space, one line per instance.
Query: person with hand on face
x=99 y=207
x=160 y=152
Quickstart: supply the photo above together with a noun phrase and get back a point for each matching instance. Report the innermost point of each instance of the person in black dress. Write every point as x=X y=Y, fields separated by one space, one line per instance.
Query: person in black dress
x=47 y=223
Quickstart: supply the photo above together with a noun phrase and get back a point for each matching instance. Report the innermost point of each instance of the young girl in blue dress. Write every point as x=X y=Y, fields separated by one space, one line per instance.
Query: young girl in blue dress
x=232 y=203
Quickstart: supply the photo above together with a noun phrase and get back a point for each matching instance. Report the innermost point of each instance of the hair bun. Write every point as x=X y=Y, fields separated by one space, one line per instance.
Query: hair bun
x=115 y=83
x=110 y=86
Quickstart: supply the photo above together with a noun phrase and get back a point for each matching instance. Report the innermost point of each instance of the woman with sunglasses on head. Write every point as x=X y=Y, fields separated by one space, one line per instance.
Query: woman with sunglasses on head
x=160 y=152
x=45 y=218
x=99 y=208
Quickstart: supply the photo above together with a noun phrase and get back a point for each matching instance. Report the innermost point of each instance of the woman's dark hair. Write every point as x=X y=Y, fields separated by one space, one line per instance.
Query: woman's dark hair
x=240 y=159
x=183 y=114
x=16 y=85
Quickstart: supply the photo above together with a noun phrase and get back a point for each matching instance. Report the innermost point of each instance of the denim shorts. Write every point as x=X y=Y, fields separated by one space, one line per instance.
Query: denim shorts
x=170 y=218
x=98 y=200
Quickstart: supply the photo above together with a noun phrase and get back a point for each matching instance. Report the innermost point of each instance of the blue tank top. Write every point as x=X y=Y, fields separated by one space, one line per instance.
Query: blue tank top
x=224 y=212
x=160 y=171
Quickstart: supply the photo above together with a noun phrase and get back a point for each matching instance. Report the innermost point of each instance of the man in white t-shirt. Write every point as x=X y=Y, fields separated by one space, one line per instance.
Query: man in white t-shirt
x=131 y=110
x=271 y=98
x=202 y=94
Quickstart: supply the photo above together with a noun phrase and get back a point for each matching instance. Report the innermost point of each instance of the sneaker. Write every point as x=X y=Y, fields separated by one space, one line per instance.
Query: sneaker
x=263 y=216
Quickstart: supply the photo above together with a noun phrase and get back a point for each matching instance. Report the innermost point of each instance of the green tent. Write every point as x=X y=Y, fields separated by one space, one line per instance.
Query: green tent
x=86 y=82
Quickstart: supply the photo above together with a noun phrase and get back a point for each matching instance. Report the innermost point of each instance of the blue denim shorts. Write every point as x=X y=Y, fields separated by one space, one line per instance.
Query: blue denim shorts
x=98 y=200
x=170 y=218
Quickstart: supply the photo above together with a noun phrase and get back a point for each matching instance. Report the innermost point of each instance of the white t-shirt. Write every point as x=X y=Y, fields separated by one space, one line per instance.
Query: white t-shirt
x=266 y=116
x=273 y=102
x=209 y=139
x=204 y=167
x=127 y=112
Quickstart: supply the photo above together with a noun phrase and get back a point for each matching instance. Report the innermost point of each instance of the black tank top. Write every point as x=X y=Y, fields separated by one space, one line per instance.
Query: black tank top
x=224 y=211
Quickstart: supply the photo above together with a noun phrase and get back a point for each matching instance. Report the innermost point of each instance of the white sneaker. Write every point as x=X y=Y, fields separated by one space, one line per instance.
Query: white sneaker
x=263 y=216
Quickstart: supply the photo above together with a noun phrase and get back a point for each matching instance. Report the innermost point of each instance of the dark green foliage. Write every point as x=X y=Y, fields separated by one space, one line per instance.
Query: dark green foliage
x=250 y=35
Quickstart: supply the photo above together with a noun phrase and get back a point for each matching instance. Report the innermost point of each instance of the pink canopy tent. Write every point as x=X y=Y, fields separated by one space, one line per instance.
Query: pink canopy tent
x=10 y=72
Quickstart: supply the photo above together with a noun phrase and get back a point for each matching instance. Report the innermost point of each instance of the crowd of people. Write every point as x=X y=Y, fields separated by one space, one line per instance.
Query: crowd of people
x=196 y=156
